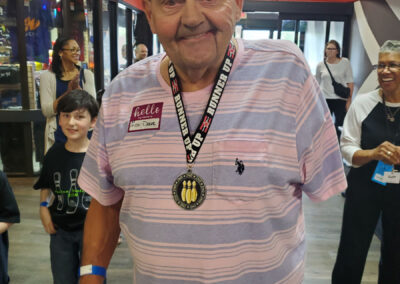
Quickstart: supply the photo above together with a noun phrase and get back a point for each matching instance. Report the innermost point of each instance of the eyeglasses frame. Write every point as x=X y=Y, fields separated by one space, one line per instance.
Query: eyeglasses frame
x=72 y=50
x=392 y=67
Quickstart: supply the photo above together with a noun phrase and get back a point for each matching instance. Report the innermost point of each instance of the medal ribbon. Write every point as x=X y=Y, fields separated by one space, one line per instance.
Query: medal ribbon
x=194 y=143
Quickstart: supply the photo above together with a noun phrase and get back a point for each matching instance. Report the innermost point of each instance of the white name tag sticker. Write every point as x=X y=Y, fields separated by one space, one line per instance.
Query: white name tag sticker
x=145 y=117
x=392 y=177
x=144 y=124
x=379 y=178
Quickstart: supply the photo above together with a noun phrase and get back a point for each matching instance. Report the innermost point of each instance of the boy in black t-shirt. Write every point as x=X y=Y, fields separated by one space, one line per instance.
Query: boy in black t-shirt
x=9 y=214
x=64 y=218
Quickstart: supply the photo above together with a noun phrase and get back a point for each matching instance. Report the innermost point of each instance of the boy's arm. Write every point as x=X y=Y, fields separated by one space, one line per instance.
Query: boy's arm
x=45 y=213
x=100 y=237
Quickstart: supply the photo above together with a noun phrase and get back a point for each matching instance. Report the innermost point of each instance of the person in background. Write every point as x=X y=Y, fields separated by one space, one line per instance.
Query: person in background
x=371 y=144
x=124 y=62
x=140 y=51
x=201 y=155
x=342 y=73
x=9 y=214
x=64 y=218
x=63 y=76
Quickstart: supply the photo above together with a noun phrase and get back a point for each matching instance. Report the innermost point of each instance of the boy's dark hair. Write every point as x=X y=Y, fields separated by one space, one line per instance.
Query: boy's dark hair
x=78 y=99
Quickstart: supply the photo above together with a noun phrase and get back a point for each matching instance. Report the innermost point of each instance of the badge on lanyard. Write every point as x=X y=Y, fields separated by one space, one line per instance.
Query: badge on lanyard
x=385 y=173
x=392 y=177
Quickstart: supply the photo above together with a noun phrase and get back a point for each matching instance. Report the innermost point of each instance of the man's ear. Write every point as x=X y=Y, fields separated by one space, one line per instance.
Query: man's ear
x=149 y=15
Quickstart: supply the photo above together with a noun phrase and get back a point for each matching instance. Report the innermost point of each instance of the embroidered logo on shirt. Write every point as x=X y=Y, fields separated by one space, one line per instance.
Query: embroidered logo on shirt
x=240 y=166
x=145 y=117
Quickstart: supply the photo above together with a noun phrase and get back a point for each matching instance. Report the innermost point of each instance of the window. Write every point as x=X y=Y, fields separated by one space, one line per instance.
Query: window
x=256 y=34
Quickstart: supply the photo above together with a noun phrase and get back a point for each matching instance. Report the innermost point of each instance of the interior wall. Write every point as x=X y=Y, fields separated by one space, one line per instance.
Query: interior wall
x=374 y=22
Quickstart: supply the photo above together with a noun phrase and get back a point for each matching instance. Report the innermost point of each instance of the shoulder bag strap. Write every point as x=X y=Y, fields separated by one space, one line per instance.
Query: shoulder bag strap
x=82 y=80
x=333 y=79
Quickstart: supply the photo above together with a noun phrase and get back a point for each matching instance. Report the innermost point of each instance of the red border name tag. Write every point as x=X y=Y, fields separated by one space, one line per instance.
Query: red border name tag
x=145 y=117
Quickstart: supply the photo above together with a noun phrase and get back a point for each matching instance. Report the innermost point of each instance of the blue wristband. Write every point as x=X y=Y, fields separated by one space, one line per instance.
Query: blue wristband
x=92 y=270
x=44 y=204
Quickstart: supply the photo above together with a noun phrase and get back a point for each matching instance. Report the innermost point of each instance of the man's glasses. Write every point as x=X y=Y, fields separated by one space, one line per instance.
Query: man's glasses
x=391 y=66
x=72 y=50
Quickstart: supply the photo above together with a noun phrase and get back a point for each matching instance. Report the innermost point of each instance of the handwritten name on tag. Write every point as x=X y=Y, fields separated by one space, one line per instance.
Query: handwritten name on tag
x=145 y=117
x=392 y=177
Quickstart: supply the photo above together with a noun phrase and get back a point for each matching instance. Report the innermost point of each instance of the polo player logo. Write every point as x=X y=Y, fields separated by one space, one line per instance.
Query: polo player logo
x=240 y=166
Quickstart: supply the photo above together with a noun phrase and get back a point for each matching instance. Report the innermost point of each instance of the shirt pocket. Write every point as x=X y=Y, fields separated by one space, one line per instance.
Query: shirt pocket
x=240 y=169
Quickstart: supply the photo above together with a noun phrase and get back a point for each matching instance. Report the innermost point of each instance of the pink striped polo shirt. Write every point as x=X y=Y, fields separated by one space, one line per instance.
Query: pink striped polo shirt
x=250 y=228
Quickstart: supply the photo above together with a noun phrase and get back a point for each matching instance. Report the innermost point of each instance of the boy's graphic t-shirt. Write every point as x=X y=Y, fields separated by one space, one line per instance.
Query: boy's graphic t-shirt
x=60 y=173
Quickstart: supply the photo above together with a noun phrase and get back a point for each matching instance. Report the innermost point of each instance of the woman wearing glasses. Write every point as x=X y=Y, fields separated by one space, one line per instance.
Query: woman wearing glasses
x=340 y=69
x=63 y=76
x=371 y=143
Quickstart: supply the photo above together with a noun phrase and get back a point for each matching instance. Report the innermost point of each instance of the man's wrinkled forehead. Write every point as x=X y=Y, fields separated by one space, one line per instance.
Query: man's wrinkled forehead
x=140 y=3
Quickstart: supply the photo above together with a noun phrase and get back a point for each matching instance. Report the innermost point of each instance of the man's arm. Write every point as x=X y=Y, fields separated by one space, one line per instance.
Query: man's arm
x=100 y=237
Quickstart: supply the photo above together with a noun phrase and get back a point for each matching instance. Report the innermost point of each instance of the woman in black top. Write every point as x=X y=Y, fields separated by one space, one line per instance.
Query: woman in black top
x=371 y=143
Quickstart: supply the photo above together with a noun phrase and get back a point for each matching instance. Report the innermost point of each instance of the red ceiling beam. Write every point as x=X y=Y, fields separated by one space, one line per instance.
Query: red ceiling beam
x=320 y=1
x=324 y=1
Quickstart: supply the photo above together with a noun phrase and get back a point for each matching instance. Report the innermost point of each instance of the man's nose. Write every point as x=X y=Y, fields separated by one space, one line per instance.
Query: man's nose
x=191 y=14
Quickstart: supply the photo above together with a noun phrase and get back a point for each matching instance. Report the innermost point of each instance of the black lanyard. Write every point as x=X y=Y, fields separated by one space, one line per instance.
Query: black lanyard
x=194 y=143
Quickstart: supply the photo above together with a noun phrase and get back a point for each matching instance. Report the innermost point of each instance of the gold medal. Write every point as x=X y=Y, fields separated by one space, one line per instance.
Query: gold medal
x=189 y=190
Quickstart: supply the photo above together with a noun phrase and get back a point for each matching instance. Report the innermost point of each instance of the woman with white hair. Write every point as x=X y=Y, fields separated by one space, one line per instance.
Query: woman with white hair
x=371 y=144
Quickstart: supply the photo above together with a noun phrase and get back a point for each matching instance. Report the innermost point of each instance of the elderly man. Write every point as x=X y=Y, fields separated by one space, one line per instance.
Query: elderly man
x=140 y=51
x=201 y=155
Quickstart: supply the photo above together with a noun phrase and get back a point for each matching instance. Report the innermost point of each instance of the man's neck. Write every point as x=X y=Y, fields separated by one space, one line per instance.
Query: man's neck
x=191 y=79
x=77 y=146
